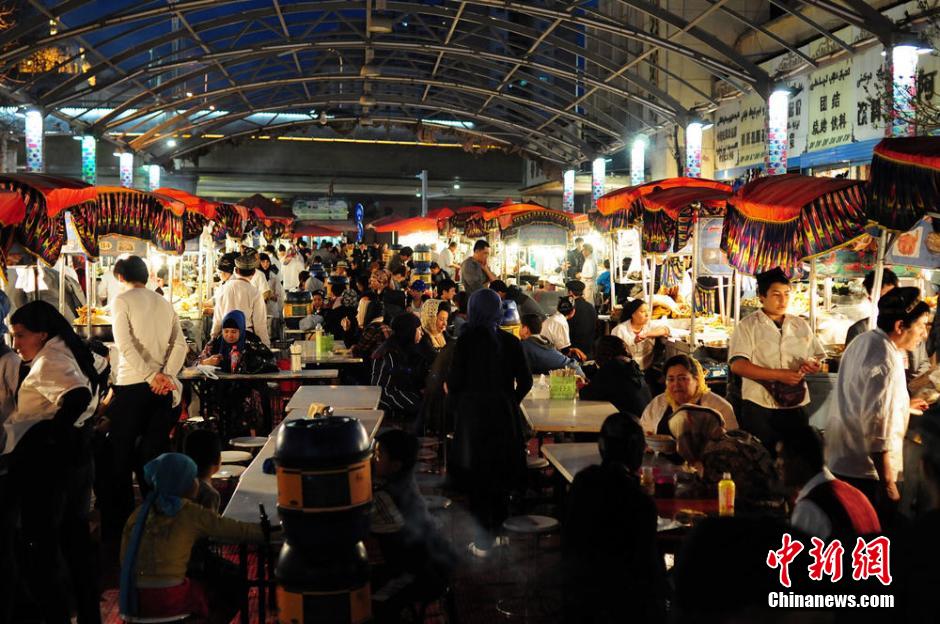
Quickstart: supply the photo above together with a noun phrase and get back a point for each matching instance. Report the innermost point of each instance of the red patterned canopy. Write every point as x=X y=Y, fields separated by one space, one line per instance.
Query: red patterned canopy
x=783 y=220
x=905 y=181
x=622 y=199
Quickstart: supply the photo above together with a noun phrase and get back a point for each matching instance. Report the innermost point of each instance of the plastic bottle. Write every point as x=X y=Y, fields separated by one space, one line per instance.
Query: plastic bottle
x=318 y=337
x=726 y=495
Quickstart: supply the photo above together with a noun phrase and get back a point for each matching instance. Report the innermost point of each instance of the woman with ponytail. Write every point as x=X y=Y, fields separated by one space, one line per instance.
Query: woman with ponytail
x=48 y=440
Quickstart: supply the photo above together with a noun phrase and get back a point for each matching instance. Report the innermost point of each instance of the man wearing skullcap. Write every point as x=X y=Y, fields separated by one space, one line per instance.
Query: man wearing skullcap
x=239 y=294
x=773 y=351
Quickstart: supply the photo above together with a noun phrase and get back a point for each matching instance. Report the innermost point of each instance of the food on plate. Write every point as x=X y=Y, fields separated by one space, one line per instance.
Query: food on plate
x=99 y=316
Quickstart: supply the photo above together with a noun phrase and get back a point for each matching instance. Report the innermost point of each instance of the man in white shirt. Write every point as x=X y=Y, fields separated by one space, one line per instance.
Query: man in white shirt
x=588 y=273
x=772 y=351
x=239 y=294
x=447 y=259
x=152 y=349
x=555 y=327
x=825 y=507
x=870 y=407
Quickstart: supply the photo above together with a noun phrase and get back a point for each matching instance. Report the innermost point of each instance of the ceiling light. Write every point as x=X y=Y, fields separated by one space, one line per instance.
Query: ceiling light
x=323 y=118
x=418 y=194
x=365 y=121
x=380 y=24
x=366 y=100
x=369 y=71
x=189 y=94
x=171 y=142
x=212 y=107
x=456 y=186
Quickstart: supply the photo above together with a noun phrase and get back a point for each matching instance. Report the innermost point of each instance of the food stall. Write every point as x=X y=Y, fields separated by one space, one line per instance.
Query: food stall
x=532 y=240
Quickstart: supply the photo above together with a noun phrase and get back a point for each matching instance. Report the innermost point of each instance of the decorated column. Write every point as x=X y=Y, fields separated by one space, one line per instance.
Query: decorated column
x=90 y=159
x=693 y=150
x=34 y=132
x=153 y=177
x=598 y=176
x=638 y=161
x=777 y=138
x=904 y=88
x=567 y=197
x=127 y=169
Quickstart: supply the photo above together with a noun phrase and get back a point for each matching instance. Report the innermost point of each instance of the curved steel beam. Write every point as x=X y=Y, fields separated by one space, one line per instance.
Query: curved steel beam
x=567 y=156
x=214 y=124
x=715 y=66
x=283 y=82
x=669 y=110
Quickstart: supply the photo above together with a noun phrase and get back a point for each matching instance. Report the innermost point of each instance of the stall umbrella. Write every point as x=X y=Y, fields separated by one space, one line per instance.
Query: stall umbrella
x=904 y=186
x=787 y=219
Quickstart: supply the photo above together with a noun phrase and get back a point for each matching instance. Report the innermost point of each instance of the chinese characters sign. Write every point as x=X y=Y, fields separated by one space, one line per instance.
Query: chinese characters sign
x=870 y=559
x=831 y=106
x=869 y=107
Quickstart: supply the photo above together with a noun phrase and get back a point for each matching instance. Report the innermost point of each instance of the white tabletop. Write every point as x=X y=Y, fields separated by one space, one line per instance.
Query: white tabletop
x=281 y=375
x=332 y=358
x=560 y=415
x=570 y=458
x=353 y=397
x=255 y=487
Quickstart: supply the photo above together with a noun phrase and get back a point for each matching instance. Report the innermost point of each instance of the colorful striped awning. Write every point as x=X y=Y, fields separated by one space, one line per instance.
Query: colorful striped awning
x=905 y=181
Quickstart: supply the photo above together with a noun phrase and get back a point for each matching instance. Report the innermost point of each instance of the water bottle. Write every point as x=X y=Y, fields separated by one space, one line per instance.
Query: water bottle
x=541 y=390
x=726 y=495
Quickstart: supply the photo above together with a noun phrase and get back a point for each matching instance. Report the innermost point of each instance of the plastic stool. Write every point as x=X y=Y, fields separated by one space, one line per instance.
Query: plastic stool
x=252 y=444
x=536 y=463
x=229 y=471
x=235 y=457
x=530 y=604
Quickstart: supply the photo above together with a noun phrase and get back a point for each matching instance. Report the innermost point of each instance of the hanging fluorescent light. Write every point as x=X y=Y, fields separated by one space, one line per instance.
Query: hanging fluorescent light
x=381 y=24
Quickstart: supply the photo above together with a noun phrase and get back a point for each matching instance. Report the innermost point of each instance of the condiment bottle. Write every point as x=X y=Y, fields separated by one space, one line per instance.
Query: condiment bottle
x=726 y=495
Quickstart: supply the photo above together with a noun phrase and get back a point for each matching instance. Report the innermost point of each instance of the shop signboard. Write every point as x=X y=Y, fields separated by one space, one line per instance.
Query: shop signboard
x=869 y=96
x=727 y=118
x=711 y=259
x=752 y=131
x=919 y=246
x=831 y=106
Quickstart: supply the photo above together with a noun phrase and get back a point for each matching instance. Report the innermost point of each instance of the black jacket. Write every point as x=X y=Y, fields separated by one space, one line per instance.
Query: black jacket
x=620 y=382
x=583 y=326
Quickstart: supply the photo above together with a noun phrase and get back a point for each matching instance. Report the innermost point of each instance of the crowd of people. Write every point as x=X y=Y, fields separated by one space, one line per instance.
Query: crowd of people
x=75 y=431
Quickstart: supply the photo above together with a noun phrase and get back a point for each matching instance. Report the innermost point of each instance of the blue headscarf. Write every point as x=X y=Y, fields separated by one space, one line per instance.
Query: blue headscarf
x=171 y=476
x=5 y=306
x=236 y=317
x=485 y=309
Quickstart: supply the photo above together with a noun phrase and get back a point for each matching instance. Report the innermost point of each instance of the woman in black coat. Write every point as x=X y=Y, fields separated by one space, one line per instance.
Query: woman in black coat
x=488 y=379
x=618 y=379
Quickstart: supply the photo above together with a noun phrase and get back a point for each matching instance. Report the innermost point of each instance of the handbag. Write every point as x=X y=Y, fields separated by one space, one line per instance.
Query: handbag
x=786 y=395
x=258 y=359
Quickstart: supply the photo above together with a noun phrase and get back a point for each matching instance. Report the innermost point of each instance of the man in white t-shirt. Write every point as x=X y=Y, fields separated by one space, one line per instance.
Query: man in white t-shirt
x=555 y=328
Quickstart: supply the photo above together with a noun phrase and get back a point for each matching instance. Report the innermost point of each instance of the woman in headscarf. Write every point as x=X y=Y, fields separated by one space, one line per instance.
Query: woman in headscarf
x=48 y=439
x=440 y=350
x=158 y=540
x=400 y=368
x=704 y=443
x=343 y=308
x=685 y=384
x=434 y=314
x=237 y=350
x=618 y=380
x=487 y=382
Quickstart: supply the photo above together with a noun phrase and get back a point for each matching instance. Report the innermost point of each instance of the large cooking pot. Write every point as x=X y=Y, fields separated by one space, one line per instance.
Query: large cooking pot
x=314 y=588
x=324 y=481
x=104 y=333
